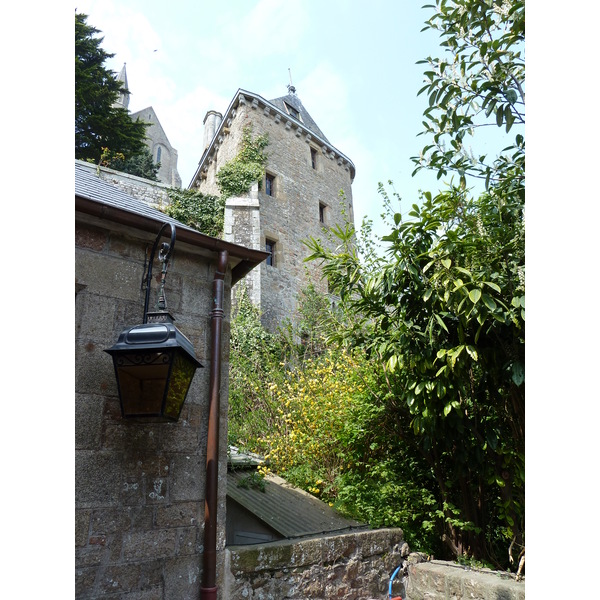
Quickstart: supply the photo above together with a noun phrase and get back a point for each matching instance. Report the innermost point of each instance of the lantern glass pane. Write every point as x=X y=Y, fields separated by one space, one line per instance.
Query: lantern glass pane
x=142 y=382
x=181 y=378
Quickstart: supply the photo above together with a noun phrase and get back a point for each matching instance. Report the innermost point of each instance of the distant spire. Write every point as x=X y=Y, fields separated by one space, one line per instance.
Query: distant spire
x=290 y=87
x=123 y=99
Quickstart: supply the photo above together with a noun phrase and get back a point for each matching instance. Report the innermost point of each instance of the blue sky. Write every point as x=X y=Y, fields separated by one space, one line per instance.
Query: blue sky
x=352 y=63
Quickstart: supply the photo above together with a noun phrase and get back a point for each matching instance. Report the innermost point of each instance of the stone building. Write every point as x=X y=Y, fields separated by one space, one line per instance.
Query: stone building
x=140 y=487
x=156 y=138
x=306 y=189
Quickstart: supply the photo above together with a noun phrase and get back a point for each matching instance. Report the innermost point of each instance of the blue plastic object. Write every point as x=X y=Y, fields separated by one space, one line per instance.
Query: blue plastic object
x=391 y=581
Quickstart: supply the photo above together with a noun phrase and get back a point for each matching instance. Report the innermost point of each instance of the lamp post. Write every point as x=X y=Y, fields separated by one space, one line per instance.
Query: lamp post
x=154 y=362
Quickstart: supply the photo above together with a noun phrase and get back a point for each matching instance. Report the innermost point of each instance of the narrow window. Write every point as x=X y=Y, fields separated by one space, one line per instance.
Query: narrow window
x=158 y=153
x=313 y=158
x=270 y=248
x=321 y=213
x=269 y=185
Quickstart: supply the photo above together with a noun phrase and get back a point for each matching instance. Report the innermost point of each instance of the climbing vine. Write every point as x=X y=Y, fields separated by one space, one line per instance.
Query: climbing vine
x=200 y=211
x=235 y=177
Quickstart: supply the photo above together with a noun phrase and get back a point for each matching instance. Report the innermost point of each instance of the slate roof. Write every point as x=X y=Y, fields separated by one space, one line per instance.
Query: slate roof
x=305 y=118
x=290 y=511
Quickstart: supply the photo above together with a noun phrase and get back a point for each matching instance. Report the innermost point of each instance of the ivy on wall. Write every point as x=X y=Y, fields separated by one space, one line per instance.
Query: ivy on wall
x=202 y=212
x=235 y=177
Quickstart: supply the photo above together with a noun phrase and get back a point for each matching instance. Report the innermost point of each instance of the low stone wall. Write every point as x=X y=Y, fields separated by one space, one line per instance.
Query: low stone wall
x=440 y=580
x=153 y=193
x=353 y=566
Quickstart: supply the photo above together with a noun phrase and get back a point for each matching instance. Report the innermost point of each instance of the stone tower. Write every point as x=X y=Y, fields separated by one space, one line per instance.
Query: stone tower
x=123 y=99
x=305 y=190
x=156 y=138
x=160 y=147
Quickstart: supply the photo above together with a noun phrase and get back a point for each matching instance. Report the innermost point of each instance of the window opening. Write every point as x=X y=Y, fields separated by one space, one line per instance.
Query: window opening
x=321 y=213
x=269 y=185
x=270 y=247
x=158 y=153
x=313 y=158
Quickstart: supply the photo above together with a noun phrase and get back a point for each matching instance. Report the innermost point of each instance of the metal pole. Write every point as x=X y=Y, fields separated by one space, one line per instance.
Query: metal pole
x=208 y=590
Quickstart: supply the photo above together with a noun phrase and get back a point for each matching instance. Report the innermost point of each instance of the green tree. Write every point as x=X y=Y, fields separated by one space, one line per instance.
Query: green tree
x=99 y=124
x=141 y=164
x=443 y=311
x=478 y=84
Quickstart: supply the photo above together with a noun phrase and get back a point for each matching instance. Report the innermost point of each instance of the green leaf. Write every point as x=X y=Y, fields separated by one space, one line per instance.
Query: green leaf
x=446 y=262
x=510 y=118
x=518 y=373
x=472 y=352
x=447 y=409
x=442 y=324
x=475 y=295
x=494 y=286
x=488 y=301
x=499 y=116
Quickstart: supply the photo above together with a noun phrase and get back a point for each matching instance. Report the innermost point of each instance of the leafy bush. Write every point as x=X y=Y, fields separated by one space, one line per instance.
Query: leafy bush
x=200 y=211
x=236 y=177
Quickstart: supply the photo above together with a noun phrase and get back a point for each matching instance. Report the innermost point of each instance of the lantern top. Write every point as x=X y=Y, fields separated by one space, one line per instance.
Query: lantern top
x=153 y=336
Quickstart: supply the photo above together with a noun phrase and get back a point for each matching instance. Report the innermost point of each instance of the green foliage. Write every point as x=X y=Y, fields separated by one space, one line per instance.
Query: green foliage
x=254 y=370
x=141 y=165
x=443 y=313
x=479 y=83
x=236 y=177
x=98 y=124
x=315 y=412
x=253 y=481
x=203 y=212
x=443 y=316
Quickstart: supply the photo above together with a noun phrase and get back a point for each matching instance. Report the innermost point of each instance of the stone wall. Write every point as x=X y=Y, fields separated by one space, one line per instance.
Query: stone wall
x=153 y=193
x=139 y=496
x=440 y=580
x=353 y=566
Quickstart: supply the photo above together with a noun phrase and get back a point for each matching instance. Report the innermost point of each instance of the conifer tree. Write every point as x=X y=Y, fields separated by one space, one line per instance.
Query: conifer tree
x=98 y=123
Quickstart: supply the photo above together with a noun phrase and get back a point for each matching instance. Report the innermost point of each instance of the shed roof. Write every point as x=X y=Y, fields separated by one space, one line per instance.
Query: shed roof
x=100 y=198
x=288 y=510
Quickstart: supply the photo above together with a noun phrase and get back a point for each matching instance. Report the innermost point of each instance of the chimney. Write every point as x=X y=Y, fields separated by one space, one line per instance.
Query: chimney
x=212 y=121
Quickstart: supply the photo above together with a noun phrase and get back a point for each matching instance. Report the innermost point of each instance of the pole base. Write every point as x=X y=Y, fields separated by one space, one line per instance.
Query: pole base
x=208 y=593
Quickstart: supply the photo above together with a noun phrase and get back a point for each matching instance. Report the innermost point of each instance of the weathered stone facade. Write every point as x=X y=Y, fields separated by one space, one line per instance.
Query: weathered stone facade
x=160 y=147
x=140 y=486
x=353 y=566
x=310 y=191
x=151 y=192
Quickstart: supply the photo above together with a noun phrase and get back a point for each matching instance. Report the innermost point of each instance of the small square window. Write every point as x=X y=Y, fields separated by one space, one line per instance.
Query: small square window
x=313 y=158
x=270 y=247
x=269 y=184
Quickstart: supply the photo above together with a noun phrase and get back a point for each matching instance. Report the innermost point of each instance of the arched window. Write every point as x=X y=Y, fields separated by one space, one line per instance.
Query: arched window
x=158 y=153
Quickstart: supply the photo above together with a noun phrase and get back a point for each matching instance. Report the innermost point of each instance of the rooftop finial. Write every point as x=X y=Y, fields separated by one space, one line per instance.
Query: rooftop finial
x=291 y=88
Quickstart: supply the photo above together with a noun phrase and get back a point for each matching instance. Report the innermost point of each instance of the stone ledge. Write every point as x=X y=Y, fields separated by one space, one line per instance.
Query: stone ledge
x=440 y=580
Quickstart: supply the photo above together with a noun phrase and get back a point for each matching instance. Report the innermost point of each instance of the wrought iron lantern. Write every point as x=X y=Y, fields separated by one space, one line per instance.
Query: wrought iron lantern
x=154 y=362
